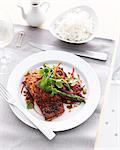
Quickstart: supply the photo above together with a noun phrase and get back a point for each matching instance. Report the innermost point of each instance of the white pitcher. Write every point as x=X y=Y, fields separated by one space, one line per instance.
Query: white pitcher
x=36 y=15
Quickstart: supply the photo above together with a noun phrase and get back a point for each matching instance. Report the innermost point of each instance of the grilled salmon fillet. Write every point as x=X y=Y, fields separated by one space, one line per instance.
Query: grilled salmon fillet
x=51 y=107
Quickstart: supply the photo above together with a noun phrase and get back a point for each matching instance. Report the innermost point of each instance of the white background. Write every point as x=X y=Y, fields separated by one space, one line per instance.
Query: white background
x=106 y=10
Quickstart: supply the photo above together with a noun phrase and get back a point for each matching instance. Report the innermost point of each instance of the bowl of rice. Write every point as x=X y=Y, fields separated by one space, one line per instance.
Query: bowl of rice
x=77 y=25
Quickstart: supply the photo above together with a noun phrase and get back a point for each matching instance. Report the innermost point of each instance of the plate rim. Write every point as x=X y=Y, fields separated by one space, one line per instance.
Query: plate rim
x=70 y=125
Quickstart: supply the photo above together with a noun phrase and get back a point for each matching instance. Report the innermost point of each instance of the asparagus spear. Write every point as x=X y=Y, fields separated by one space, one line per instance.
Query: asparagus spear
x=72 y=96
x=44 y=85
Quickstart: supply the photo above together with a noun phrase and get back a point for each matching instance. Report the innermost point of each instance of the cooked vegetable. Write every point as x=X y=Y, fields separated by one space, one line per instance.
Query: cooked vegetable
x=54 y=83
x=50 y=88
x=73 y=97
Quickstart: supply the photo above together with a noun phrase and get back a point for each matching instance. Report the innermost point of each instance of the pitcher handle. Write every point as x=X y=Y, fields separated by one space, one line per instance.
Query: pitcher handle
x=45 y=3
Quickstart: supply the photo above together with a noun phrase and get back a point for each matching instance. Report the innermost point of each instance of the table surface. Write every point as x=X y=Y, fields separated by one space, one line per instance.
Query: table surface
x=19 y=136
x=108 y=27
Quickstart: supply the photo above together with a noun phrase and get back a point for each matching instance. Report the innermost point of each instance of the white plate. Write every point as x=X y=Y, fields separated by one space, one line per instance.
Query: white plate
x=78 y=114
x=58 y=19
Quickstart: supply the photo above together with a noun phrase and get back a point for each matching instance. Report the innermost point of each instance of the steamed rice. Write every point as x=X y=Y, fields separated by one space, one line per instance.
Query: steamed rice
x=75 y=26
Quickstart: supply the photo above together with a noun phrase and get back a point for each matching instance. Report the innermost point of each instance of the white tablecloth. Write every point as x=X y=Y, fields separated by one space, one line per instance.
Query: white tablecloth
x=15 y=135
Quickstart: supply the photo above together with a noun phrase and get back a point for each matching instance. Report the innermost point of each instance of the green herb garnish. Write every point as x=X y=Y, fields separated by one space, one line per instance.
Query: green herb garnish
x=30 y=105
x=53 y=85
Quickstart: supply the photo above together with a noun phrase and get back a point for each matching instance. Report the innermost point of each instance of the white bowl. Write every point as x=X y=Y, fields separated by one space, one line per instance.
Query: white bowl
x=87 y=9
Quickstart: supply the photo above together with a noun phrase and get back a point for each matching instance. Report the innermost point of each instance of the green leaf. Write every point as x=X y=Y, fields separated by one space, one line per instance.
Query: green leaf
x=30 y=105
x=43 y=83
x=46 y=70
x=48 y=89
x=41 y=72
x=59 y=84
x=54 y=91
x=45 y=65
x=50 y=81
x=52 y=94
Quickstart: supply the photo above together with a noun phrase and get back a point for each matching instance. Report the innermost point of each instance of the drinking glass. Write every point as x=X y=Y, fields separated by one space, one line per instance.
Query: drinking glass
x=6 y=36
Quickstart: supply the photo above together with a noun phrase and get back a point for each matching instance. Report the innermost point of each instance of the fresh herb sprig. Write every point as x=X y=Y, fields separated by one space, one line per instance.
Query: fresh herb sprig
x=53 y=86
